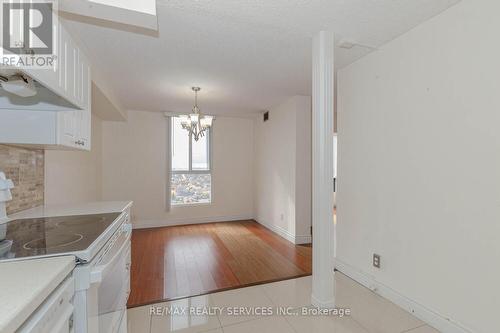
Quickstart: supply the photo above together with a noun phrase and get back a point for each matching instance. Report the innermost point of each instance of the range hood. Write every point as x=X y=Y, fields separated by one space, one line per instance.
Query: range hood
x=18 y=91
x=18 y=85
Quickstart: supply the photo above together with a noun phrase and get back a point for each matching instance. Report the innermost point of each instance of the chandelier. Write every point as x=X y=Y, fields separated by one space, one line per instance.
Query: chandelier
x=195 y=123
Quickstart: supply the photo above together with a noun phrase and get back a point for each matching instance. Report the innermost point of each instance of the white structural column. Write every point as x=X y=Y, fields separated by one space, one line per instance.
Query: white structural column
x=323 y=278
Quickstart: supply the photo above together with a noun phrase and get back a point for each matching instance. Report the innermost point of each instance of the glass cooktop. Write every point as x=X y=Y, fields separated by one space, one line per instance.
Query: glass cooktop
x=51 y=235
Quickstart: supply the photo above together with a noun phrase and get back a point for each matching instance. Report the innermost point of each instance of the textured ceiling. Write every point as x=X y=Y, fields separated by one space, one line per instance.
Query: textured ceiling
x=247 y=55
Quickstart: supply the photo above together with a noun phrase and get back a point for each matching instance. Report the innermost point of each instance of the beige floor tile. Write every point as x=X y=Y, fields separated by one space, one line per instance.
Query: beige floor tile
x=181 y=320
x=292 y=293
x=423 y=329
x=325 y=324
x=272 y=324
x=346 y=283
x=248 y=298
x=138 y=320
x=373 y=312
x=369 y=312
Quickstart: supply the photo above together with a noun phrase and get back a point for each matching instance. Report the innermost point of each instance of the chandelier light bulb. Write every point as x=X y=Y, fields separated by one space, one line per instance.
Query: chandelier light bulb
x=195 y=117
x=195 y=123
x=184 y=120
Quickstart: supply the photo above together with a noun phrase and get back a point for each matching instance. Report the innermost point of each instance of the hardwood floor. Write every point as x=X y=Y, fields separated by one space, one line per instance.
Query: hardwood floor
x=181 y=261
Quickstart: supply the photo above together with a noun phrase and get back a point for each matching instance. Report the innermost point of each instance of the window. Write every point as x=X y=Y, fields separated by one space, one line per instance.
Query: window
x=191 y=175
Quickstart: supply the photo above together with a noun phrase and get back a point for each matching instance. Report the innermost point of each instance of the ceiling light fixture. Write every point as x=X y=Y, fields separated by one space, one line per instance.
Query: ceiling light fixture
x=195 y=123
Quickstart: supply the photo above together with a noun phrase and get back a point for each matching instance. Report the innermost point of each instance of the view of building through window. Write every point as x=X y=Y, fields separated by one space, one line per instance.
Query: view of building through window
x=191 y=178
x=190 y=188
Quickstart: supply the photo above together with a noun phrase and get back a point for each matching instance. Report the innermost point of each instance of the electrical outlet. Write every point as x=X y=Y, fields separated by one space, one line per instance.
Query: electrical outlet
x=282 y=217
x=376 y=260
x=266 y=116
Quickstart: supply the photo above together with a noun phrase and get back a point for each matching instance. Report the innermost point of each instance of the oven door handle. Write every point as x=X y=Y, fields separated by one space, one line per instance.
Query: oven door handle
x=99 y=271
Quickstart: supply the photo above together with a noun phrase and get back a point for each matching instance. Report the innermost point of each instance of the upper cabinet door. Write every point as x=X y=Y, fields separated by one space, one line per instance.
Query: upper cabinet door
x=77 y=94
x=67 y=132
x=85 y=128
x=85 y=82
x=72 y=63
x=67 y=64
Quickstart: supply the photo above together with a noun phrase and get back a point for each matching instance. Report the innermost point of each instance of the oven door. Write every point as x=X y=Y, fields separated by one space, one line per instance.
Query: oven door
x=110 y=284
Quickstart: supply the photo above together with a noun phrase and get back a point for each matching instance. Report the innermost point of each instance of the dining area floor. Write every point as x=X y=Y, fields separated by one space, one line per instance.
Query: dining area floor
x=175 y=262
x=287 y=310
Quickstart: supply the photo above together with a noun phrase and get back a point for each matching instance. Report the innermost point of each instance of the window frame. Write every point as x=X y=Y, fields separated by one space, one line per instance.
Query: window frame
x=190 y=170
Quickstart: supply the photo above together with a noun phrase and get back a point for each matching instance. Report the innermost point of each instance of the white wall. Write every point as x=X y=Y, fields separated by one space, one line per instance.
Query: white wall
x=283 y=169
x=134 y=168
x=303 y=169
x=419 y=166
x=75 y=176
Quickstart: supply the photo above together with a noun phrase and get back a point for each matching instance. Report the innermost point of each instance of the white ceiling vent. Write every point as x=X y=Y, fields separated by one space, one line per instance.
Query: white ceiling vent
x=349 y=44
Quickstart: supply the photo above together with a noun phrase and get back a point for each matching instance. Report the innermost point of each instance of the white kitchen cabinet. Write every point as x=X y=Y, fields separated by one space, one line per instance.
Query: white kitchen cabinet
x=70 y=78
x=66 y=128
x=74 y=129
x=85 y=129
x=74 y=80
x=48 y=129
x=59 y=116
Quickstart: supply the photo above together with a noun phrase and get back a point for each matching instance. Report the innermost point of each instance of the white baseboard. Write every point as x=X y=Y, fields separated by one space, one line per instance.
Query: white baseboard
x=430 y=317
x=168 y=222
x=295 y=239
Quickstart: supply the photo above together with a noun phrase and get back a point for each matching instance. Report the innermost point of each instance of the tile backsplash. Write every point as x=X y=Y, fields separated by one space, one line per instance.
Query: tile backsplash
x=26 y=169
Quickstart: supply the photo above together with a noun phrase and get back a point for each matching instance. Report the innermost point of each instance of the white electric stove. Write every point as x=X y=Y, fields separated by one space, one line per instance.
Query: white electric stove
x=101 y=244
x=79 y=235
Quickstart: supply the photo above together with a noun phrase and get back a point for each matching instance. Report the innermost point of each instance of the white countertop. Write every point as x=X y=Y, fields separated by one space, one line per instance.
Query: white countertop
x=87 y=208
x=25 y=284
